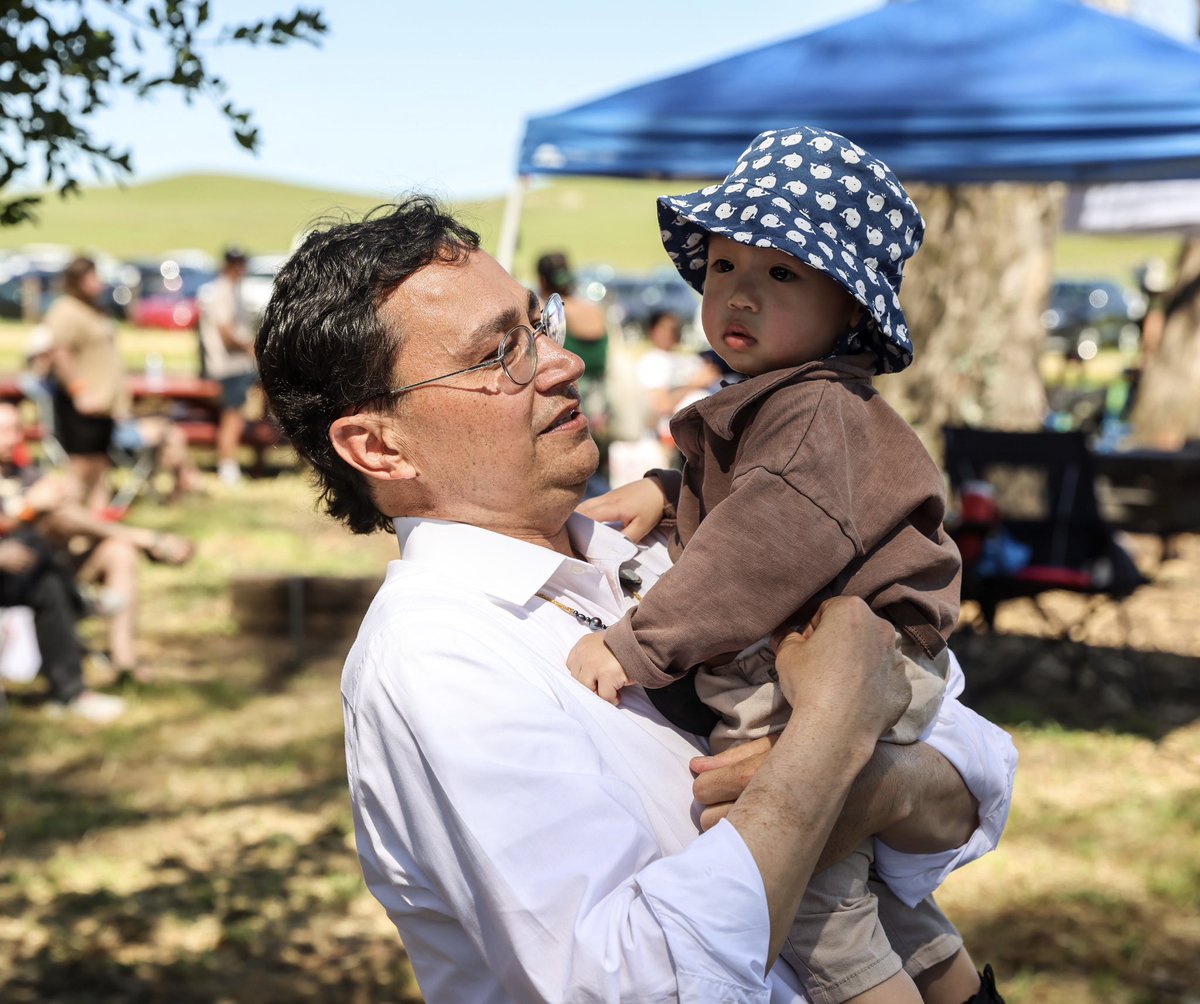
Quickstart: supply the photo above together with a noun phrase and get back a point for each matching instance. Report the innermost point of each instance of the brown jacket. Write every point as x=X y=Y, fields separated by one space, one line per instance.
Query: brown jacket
x=799 y=485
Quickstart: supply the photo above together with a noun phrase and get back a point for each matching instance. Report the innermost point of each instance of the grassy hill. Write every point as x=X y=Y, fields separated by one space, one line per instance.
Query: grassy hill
x=595 y=220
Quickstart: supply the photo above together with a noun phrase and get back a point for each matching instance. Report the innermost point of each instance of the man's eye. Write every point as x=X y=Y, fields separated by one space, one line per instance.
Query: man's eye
x=721 y=265
x=781 y=273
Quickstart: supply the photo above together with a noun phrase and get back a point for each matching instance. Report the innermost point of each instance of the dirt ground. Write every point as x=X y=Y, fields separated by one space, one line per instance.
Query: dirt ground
x=202 y=850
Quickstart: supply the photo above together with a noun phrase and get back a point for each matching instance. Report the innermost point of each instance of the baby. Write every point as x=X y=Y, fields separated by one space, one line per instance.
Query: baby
x=800 y=484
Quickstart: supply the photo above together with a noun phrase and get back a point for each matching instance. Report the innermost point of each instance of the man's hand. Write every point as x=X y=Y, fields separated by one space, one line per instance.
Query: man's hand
x=593 y=664
x=16 y=557
x=721 y=778
x=637 y=506
x=845 y=664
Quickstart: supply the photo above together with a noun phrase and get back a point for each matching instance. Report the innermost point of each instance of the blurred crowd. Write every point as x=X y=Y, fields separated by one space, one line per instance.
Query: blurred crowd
x=75 y=452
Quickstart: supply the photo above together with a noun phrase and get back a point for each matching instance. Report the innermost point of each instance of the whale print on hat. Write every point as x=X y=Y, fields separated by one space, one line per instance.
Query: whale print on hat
x=810 y=181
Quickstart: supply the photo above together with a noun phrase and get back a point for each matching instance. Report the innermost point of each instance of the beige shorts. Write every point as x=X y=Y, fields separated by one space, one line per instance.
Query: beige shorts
x=852 y=933
x=746 y=695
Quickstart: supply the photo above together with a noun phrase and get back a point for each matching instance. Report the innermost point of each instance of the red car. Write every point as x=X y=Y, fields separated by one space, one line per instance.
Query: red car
x=167 y=295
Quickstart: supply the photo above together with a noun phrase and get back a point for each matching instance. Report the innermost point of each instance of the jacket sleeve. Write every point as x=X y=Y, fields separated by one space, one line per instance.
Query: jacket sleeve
x=754 y=560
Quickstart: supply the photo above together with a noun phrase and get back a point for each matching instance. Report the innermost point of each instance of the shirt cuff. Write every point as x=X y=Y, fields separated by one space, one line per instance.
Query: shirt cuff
x=712 y=906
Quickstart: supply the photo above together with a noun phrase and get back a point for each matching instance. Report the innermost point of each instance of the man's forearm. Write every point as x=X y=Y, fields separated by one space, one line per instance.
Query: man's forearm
x=785 y=824
x=909 y=796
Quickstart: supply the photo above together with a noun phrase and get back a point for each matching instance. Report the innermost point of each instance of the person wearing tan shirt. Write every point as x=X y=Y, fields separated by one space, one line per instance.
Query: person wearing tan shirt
x=91 y=394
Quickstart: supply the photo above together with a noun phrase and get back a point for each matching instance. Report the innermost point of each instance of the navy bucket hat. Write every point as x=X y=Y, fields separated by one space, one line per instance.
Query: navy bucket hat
x=823 y=200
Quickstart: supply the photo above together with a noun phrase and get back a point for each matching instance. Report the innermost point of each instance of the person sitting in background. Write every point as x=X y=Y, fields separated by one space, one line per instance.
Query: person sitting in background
x=587 y=337
x=89 y=389
x=227 y=351
x=103 y=554
x=32 y=575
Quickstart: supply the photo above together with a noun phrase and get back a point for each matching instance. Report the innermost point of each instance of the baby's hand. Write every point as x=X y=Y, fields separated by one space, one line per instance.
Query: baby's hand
x=593 y=665
x=637 y=506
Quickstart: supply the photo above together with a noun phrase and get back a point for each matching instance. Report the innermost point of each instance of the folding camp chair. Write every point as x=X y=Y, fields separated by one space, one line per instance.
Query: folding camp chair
x=1044 y=487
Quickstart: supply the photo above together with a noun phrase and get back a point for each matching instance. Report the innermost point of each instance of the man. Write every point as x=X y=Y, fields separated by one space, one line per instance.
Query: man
x=531 y=842
x=227 y=346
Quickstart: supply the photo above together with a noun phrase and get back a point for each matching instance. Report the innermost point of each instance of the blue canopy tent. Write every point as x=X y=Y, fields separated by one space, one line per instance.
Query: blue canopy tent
x=947 y=91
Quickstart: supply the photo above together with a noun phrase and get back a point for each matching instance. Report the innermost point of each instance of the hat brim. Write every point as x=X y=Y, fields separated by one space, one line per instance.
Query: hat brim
x=687 y=221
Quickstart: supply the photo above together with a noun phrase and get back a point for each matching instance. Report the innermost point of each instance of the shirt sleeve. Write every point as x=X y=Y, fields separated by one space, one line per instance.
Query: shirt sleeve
x=985 y=757
x=480 y=800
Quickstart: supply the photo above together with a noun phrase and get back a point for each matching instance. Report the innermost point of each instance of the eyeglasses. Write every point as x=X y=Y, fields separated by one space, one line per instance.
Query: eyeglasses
x=517 y=351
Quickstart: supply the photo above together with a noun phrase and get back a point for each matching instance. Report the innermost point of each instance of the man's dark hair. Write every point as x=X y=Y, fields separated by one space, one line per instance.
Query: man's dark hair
x=322 y=349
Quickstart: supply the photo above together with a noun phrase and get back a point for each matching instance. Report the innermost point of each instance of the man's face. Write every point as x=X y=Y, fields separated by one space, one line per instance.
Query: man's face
x=487 y=451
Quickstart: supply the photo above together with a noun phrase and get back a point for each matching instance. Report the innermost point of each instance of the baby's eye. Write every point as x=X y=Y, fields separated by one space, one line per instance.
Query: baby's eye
x=781 y=273
x=721 y=265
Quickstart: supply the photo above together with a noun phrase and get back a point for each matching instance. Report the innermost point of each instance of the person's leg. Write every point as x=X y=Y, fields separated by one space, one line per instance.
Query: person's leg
x=229 y=437
x=90 y=470
x=49 y=593
x=114 y=564
x=174 y=458
x=953 y=981
x=837 y=944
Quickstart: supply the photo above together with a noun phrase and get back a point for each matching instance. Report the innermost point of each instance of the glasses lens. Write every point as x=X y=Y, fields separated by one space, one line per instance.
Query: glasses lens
x=519 y=355
x=554 y=320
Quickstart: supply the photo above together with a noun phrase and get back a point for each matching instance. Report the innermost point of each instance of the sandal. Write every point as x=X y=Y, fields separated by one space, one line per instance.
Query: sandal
x=167 y=549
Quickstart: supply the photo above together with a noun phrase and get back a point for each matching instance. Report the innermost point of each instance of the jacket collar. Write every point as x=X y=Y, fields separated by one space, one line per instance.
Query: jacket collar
x=720 y=411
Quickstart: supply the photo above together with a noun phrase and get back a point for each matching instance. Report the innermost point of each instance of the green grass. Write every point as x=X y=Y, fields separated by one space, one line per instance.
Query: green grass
x=595 y=220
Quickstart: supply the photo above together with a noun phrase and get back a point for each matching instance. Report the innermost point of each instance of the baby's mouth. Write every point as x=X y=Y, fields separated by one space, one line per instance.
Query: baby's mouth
x=737 y=337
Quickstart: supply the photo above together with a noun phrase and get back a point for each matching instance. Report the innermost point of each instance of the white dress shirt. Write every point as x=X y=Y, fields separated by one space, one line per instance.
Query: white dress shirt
x=532 y=842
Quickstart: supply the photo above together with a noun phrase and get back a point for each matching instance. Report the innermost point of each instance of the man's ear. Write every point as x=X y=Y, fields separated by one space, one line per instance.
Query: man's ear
x=857 y=312
x=369 y=444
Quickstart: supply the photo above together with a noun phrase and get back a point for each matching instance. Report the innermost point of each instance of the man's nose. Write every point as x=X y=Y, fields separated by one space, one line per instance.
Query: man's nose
x=556 y=364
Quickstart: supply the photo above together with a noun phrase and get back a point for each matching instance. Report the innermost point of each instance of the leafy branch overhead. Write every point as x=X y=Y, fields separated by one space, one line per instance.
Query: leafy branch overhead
x=61 y=61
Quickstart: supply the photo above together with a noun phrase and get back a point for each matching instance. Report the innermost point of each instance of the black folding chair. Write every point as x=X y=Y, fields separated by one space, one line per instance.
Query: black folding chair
x=1044 y=486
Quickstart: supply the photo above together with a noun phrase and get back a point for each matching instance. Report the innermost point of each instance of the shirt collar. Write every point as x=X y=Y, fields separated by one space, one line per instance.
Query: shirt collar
x=720 y=411
x=504 y=567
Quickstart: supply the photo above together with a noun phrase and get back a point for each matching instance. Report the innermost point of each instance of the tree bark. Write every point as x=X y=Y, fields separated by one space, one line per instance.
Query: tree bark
x=974 y=295
x=1167 y=410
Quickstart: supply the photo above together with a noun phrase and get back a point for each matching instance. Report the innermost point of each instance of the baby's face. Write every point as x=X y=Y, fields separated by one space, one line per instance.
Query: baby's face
x=764 y=310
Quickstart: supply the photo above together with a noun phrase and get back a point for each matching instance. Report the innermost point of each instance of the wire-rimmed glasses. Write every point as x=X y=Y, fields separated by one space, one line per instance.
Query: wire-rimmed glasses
x=517 y=352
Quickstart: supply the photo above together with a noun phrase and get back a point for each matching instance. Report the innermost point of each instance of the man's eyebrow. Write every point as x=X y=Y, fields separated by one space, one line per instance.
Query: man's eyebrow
x=504 y=321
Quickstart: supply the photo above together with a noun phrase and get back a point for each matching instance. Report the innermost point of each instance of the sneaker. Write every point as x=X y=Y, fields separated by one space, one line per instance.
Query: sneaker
x=93 y=707
x=229 y=472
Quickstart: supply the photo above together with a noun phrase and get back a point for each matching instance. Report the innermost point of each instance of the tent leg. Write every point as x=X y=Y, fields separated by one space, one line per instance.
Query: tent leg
x=510 y=226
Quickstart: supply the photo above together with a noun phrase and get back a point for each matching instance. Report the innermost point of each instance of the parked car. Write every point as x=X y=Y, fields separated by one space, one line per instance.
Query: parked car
x=1086 y=315
x=166 y=294
x=634 y=298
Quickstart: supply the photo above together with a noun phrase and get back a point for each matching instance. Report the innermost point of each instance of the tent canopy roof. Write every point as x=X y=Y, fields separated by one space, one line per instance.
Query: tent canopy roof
x=942 y=90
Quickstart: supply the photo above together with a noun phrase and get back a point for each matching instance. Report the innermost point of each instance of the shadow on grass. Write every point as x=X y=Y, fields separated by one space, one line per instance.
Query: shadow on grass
x=1016 y=679
x=1122 y=948
x=275 y=906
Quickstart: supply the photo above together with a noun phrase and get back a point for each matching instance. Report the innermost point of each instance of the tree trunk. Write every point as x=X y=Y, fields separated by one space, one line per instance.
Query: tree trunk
x=1167 y=410
x=974 y=295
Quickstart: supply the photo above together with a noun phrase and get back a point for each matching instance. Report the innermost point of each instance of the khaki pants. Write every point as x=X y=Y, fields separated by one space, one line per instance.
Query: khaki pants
x=851 y=932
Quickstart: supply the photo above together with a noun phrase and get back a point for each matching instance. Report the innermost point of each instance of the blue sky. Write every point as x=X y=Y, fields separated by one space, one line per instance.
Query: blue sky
x=433 y=95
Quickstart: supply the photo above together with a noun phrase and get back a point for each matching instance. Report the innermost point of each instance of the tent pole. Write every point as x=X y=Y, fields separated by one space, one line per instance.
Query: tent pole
x=510 y=226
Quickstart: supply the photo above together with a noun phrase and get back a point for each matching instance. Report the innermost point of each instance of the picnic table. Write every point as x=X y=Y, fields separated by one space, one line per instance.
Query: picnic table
x=1151 y=491
x=193 y=403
